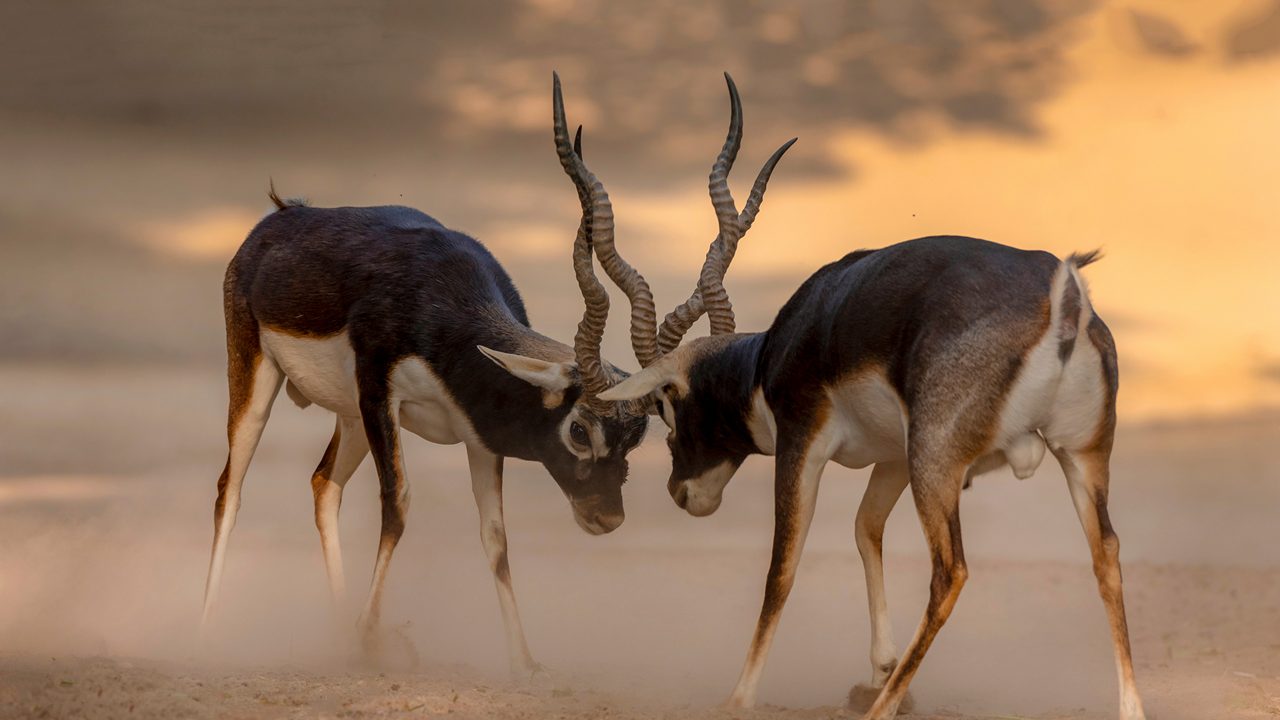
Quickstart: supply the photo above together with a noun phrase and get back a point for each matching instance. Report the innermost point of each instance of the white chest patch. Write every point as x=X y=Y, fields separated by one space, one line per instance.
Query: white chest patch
x=764 y=430
x=324 y=370
x=426 y=407
x=869 y=421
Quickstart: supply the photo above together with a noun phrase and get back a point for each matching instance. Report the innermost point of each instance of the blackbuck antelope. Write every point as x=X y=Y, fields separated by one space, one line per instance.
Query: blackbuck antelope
x=934 y=360
x=388 y=319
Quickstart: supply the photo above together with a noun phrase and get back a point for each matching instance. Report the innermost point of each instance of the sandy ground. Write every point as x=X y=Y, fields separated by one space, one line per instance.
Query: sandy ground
x=105 y=494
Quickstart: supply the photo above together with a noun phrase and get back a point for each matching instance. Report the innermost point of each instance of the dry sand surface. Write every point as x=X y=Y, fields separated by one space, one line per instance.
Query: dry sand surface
x=105 y=499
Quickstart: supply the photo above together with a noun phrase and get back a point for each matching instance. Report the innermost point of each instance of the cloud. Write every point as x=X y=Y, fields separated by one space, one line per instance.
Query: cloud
x=1269 y=370
x=1161 y=36
x=644 y=76
x=1255 y=35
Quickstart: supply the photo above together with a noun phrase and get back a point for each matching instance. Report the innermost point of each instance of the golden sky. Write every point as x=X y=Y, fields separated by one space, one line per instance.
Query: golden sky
x=1172 y=167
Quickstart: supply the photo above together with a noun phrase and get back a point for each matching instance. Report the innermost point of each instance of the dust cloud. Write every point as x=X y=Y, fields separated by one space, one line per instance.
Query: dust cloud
x=105 y=557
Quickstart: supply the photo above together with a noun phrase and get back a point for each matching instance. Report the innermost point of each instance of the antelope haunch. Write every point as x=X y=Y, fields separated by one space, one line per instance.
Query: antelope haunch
x=934 y=360
x=388 y=319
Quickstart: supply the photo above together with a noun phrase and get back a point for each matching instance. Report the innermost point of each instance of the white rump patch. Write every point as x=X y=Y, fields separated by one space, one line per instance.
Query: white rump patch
x=1064 y=402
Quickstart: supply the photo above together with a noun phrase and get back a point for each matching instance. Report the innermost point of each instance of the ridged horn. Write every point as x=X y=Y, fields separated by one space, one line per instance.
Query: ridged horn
x=710 y=296
x=586 y=343
x=596 y=203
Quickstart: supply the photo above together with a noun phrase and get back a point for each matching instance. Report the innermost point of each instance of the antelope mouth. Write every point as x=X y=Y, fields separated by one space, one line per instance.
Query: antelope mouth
x=680 y=493
x=693 y=500
x=595 y=522
x=600 y=524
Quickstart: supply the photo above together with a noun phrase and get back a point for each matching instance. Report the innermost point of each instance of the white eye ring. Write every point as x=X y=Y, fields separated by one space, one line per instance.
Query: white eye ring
x=586 y=452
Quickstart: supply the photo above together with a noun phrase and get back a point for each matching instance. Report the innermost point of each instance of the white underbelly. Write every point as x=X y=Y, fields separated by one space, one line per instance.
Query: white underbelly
x=324 y=370
x=868 y=421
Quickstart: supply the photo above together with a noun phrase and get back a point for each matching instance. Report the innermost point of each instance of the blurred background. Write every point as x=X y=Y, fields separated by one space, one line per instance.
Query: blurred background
x=136 y=145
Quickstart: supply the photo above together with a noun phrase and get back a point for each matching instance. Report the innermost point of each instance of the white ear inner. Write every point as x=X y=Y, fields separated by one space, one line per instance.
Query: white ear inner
x=553 y=377
x=646 y=381
x=668 y=412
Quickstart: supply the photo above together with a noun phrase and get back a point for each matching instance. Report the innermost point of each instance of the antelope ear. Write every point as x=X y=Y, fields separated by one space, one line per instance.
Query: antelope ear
x=639 y=385
x=554 y=377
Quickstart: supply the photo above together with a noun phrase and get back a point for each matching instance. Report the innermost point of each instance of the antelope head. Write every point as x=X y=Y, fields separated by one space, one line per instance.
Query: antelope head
x=587 y=454
x=686 y=385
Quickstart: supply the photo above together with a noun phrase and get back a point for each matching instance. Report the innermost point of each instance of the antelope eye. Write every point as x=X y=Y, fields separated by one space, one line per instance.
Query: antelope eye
x=578 y=434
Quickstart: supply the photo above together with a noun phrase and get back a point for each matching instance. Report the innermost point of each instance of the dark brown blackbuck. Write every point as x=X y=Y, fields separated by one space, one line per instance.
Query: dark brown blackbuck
x=389 y=320
x=934 y=360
